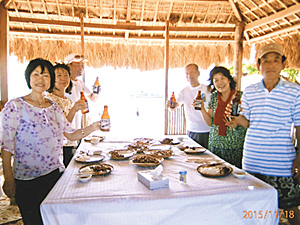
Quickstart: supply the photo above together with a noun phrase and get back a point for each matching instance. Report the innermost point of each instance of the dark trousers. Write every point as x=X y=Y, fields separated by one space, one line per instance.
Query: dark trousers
x=200 y=138
x=30 y=194
x=68 y=154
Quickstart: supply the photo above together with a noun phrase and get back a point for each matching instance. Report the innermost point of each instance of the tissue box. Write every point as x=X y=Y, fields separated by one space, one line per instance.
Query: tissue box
x=145 y=177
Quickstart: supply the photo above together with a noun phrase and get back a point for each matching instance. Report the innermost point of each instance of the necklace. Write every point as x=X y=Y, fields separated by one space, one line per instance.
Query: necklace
x=40 y=103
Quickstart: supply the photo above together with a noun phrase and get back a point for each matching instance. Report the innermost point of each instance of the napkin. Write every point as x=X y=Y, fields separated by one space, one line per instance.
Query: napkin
x=156 y=173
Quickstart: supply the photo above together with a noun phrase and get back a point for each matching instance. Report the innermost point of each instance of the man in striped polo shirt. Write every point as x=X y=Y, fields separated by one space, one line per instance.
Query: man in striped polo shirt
x=270 y=108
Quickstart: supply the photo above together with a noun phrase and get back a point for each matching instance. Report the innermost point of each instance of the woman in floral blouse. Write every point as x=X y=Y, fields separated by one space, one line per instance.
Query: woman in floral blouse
x=226 y=139
x=63 y=84
x=32 y=130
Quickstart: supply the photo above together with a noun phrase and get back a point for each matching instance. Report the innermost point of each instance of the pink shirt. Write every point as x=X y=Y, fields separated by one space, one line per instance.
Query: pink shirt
x=35 y=136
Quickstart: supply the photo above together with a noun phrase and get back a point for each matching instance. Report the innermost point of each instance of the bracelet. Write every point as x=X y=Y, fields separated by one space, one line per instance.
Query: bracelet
x=82 y=131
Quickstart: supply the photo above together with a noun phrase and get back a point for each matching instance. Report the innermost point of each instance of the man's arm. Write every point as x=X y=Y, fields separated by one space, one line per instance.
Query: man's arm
x=296 y=163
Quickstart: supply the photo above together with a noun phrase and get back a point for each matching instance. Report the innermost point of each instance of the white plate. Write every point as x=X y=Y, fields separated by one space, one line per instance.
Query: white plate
x=121 y=154
x=194 y=150
x=239 y=174
x=89 y=158
x=83 y=177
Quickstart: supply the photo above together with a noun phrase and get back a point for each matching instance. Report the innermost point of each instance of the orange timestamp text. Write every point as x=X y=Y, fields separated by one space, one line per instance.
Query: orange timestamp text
x=264 y=214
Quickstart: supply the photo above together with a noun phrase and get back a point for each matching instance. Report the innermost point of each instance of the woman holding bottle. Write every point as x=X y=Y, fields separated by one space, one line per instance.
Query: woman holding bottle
x=32 y=128
x=226 y=138
x=63 y=84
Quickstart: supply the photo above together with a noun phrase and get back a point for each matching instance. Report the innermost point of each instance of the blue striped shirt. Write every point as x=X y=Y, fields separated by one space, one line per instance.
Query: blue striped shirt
x=268 y=147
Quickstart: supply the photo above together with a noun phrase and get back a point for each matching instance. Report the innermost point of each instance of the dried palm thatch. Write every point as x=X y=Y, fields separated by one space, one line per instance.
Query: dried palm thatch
x=143 y=57
x=291 y=45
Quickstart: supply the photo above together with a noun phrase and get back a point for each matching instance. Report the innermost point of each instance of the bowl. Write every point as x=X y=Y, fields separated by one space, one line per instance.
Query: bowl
x=84 y=177
x=239 y=174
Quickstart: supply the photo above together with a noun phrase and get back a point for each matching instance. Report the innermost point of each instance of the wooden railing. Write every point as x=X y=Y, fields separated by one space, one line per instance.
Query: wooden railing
x=176 y=122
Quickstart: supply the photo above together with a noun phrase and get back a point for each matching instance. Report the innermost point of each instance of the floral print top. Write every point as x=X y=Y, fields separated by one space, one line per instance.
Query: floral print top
x=35 y=136
x=65 y=103
x=234 y=138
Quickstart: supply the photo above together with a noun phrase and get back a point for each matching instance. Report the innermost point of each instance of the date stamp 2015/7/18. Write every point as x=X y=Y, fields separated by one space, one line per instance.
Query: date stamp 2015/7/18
x=263 y=214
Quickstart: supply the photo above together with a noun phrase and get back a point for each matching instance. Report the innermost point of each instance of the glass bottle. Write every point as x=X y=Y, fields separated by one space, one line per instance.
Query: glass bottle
x=198 y=101
x=96 y=86
x=236 y=102
x=172 y=101
x=105 y=120
x=83 y=99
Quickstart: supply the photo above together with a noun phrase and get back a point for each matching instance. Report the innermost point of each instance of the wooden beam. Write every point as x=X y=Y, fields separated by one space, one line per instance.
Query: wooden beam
x=66 y=34
x=276 y=16
x=3 y=54
x=276 y=33
x=123 y=26
x=166 y=62
x=128 y=16
x=192 y=1
x=235 y=10
x=238 y=54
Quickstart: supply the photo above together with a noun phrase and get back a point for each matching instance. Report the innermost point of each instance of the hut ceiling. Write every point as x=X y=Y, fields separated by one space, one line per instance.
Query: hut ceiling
x=207 y=25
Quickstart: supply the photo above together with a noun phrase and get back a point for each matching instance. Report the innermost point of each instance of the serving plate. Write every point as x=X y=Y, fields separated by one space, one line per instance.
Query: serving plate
x=158 y=152
x=96 y=169
x=121 y=154
x=169 y=141
x=95 y=138
x=89 y=158
x=214 y=170
x=194 y=150
x=146 y=160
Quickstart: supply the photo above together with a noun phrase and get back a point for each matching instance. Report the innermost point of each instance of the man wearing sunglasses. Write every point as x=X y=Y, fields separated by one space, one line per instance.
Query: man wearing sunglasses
x=76 y=65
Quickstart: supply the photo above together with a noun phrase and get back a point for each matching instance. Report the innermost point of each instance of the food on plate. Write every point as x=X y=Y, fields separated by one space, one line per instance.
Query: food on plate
x=120 y=154
x=97 y=169
x=158 y=152
x=214 y=170
x=145 y=159
x=167 y=141
x=144 y=140
x=138 y=147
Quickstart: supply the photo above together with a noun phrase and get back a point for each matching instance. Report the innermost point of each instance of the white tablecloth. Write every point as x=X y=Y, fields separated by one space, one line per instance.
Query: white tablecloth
x=119 y=198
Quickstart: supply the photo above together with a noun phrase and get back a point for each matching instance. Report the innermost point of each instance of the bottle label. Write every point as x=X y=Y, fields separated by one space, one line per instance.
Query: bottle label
x=96 y=89
x=105 y=124
x=172 y=104
x=235 y=109
x=86 y=109
x=197 y=104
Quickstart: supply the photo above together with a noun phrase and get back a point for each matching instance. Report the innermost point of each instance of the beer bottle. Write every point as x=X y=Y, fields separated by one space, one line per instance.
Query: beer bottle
x=198 y=101
x=83 y=99
x=105 y=120
x=172 y=101
x=236 y=101
x=96 y=86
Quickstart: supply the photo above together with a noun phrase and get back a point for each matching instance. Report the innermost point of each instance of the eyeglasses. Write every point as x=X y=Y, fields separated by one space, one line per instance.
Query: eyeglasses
x=79 y=57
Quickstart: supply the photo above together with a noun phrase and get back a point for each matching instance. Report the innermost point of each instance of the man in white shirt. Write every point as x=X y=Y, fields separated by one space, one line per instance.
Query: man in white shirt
x=76 y=65
x=197 y=129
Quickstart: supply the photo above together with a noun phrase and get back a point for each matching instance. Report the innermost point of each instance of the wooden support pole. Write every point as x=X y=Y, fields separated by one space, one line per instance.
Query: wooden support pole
x=238 y=54
x=81 y=15
x=166 y=62
x=3 y=54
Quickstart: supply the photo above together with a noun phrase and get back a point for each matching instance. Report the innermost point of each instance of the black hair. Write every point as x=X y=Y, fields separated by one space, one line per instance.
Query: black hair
x=43 y=63
x=283 y=58
x=67 y=68
x=225 y=72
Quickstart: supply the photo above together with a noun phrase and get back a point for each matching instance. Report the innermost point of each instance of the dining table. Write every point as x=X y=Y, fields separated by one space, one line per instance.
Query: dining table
x=119 y=197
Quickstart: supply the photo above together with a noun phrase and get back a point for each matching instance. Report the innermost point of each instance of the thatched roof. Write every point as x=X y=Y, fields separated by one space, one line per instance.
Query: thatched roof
x=131 y=33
